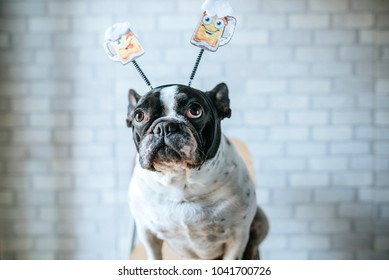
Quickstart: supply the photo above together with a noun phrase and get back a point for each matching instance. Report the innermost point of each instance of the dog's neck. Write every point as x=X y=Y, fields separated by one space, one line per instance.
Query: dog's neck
x=179 y=181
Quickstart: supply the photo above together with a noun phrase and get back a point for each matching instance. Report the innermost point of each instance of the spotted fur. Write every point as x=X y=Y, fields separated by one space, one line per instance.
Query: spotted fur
x=190 y=188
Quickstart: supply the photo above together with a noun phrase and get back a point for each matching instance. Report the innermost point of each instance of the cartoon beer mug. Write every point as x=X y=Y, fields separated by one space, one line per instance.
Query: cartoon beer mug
x=121 y=44
x=213 y=32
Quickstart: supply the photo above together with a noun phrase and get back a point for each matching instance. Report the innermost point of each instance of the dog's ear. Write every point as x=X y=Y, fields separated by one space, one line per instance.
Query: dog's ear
x=219 y=96
x=133 y=98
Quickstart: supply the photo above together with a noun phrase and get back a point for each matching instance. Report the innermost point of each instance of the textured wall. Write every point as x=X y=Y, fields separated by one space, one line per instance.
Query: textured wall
x=309 y=82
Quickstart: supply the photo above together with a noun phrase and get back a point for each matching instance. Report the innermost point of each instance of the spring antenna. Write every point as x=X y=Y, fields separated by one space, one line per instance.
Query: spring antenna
x=195 y=66
x=143 y=75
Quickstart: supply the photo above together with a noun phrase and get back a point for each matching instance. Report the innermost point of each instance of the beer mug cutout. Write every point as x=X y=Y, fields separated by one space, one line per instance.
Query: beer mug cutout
x=213 y=32
x=121 y=44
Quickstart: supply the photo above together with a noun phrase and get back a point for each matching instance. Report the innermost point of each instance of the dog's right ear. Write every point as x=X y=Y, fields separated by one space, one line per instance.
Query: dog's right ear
x=133 y=98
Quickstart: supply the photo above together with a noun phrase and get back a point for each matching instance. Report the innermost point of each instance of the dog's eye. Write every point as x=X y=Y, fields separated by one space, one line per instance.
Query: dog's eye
x=194 y=111
x=139 y=116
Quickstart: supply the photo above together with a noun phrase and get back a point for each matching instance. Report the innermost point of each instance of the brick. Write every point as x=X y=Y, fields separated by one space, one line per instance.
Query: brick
x=372 y=5
x=12 y=121
x=381 y=243
x=359 y=53
x=73 y=166
x=381 y=117
x=311 y=85
x=92 y=24
x=291 y=37
x=353 y=85
x=92 y=120
x=169 y=22
x=328 y=6
x=14 y=25
x=328 y=164
x=331 y=255
x=73 y=8
x=288 y=69
x=13 y=88
x=272 y=179
x=278 y=211
x=17 y=244
x=382 y=86
x=369 y=163
x=334 y=195
x=102 y=8
x=357 y=210
x=251 y=37
x=353 y=179
x=332 y=69
x=33 y=229
x=310 y=180
x=264 y=118
x=54 y=244
x=31 y=136
x=289 y=164
x=289 y=133
x=381 y=148
x=51 y=182
x=21 y=8
x=267 y=86
x=316 y=53
x=291 y=196
x=308 y=117
x=4 y=41
x=289 y=102
x=351 y=242
x=104 y=181
x=79 y=197
x=333 y=102
x=375 y=37
x=50 y=88
x=330 y=133
x=382 y=196
x=352 y=148
x=6 y=198
x=30 y=104
x=334 y=37
x=54 y=57
x=305 y=149
x=46 y=24
x=265 y=20
x=92 y=151
x=50 y=120
x=357 y=20
x=309 y=242
x=263 y=149
x=260 y=53
x=309 y=21
x=351 y=117
x=73 y=135
x=382 y=21
x=315 y=211
x=288 y=254
x=282 y=6
x=289 y=226
x=275 y=242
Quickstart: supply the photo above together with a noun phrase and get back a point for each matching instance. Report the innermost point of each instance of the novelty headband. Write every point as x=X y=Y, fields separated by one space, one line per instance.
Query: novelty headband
x=214 y=30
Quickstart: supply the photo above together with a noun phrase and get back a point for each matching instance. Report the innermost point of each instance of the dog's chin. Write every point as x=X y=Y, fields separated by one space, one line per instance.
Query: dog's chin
x=163 y=154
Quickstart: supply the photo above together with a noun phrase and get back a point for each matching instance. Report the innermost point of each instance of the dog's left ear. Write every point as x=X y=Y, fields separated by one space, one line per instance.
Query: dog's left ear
x=219 y=96
x=133 y=98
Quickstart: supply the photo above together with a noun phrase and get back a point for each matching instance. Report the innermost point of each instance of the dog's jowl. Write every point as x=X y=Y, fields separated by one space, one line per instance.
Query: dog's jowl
x=190 y=188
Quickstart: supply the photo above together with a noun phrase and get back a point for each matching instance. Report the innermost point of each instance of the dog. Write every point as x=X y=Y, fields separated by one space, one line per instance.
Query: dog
x=190 y=188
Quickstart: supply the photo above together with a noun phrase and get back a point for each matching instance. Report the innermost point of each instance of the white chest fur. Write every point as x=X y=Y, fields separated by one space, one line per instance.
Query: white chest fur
x=197 y=211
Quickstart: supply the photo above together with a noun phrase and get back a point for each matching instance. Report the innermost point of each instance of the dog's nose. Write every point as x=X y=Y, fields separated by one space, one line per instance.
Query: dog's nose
x=165 y=128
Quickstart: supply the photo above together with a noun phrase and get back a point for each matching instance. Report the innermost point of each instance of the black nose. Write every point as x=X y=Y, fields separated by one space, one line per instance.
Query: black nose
x=165 y=128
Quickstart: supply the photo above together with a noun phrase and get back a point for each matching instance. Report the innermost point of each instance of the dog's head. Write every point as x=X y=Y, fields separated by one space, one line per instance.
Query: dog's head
x=176 y=125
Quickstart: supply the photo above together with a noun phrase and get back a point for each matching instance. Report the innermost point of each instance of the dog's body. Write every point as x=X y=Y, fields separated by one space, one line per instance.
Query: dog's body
x=190 y=187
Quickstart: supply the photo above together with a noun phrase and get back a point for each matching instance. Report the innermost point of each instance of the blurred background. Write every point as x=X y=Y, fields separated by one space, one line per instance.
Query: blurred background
x=309 y=88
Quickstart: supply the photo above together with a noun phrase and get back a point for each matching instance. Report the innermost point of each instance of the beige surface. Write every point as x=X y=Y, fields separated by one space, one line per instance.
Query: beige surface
x=168 y=254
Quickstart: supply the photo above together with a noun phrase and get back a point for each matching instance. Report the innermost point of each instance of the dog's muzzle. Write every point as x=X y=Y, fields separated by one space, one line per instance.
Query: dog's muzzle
x=167 y=143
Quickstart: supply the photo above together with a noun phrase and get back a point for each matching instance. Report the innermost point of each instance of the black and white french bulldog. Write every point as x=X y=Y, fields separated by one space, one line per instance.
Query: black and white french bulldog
x=190 y=188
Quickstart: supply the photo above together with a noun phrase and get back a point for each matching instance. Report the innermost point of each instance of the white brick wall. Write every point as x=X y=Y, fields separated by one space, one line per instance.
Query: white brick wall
x=309 y=83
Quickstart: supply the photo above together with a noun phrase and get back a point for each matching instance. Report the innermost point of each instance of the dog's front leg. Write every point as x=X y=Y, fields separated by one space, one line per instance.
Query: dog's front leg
x=152 y=244
x=235 y=248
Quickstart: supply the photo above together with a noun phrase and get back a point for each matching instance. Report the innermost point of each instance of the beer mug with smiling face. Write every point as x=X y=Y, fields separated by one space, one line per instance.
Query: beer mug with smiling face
x=213 y=32
x=121 y=44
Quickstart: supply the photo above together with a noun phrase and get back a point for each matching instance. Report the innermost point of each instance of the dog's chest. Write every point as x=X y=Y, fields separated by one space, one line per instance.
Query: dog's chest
x=196 y=213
